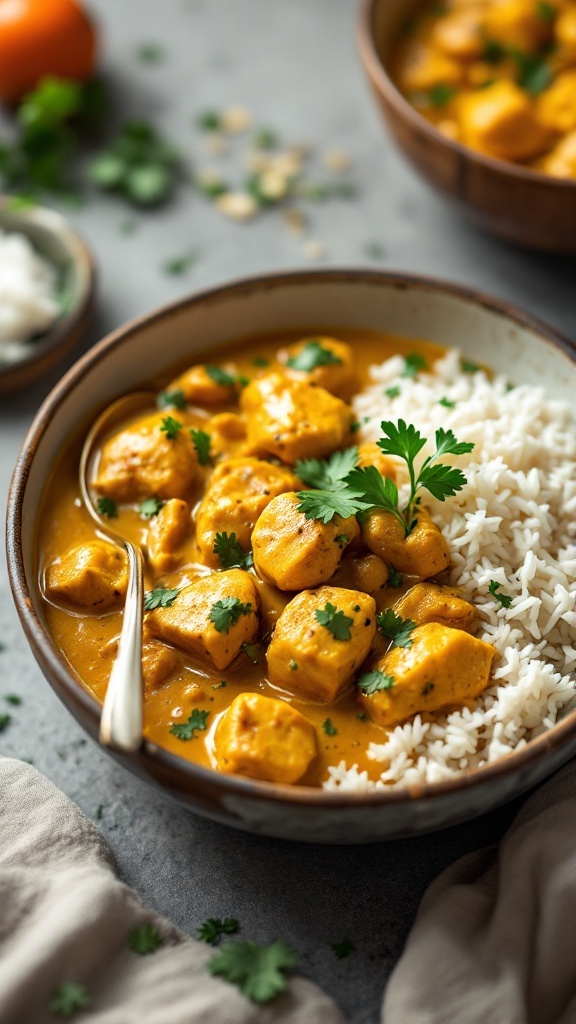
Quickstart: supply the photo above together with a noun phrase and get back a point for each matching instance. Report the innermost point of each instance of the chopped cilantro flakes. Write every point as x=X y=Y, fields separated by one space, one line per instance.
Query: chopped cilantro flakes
x=144 y=939
x=504 y=599
x=227 y=612
x=312 y=355
x=395 y=628
x=187 y=730
x=213 y=928
x=335 y=621
x=107 y=507
x=371 y=682
x=329 y=728
x=258 y=971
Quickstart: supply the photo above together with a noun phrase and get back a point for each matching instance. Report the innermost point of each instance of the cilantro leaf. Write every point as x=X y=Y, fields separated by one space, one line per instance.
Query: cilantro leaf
x=213 y=928
x=438 y=96
x=160 y=597
x=329 y=728
x=177 y=265
x=170 y=427
x=227 y=612
x=175 y=398
x=392 y=392
x=401 y=439
x=446 y=444
x=144 y=939
x=209 y=121
x=335 y=621
x=230 y=553
x=220 y=376
x=150 y=53
x=258 y=971
x=151 y=507
x=504 y=599
x=324 y=505
x=371 y=682
x=202 y=442
x=4 y=721
x=312 y=355
x=467 y=367
x=13 y=698
x=447 y=403
x=325 y=473
x=442 y=481
x=395 y=579
x=107 y=507
x=344 y=948
x=377 y=491
x=395 y=628
x=252 y=651
x=534 y=74
x=68 y=998
x=196 y=723
x=414 y=362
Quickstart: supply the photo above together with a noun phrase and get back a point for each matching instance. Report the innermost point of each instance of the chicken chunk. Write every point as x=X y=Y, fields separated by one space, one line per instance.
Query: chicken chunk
x=321 y=638
x=210 y=618
x=556 y=107
x=501 y=121
x=429 y=602
x=516 y=24
x=264 y=738
x=142 y=460
x=238 y=492
x=560 y=162
x=168 y=531
x=423 y=553
x=295 y=553
x=158 y=660
x=459 y=34
x=206 y=384
x=367 y=572
x=424 y=69
x=442 y=667
x=369 y=454
x=93 y=575
x=565 y=32
x=293 y=419
x=323 y=361
x=227 y=431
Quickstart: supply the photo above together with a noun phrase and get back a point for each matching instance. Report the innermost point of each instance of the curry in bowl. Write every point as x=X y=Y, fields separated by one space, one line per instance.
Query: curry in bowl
x=319 y=609
x=496 y=75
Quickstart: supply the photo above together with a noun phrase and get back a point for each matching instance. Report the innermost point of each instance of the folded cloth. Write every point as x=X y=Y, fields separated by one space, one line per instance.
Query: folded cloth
x=495 y=937
x=65 y=917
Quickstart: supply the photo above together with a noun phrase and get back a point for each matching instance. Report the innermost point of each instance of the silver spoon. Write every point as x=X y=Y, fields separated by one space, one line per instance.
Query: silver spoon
x=121 y=721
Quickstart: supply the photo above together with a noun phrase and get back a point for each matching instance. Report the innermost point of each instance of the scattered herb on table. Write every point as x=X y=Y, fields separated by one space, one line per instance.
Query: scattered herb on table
x=258 y=971
x=329 y=728
x=160 y=597
x=175 y=398
x=344 y=948
x=395 y=628
x=13 y=698
x=170 y=427
x=374 y=251
x=99 y=812
x=213 y=928
x=265 y=139
x=226 y=613
x=230 y=553
x=139 y=165
x=68 y=998
x=209 y=121
x=144 y=939
x=4 y=721
x=150 y=53
x=413 y=364
x=312 y=355
x=178 y=265
x=196 y=723
x=202 y=442
x=151 y=507
x=107 y=507
x=335 y=621
x=504 y=599
x=371 y=682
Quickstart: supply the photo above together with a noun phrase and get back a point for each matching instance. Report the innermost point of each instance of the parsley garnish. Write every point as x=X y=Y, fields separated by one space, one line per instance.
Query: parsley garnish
x=330 y=496
x=335 y=621
x=329 y=728
x=413 y=363
x=170 y=427
x=68 y=998
x=174 y=398
x=5 y=722
x=447 y=403
x=196 y=723
x=256 y=970
x=395 y=628
x=138 y=165
x=312 y=355
x=344 y=948
x=107 y=507
x=441 y=94
x=213 y=928
x=13 y=698
x=151 y=507
x=371 y=682
x=202 y=442
x=395 y=579
x=504 y=599
x=227 y=612
x=392 y=392
x=159 y=598
x=144 y=939
x=230 y=553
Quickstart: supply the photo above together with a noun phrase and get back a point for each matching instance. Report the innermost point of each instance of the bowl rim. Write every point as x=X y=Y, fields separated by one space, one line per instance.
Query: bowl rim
x=53 y=662
x=55 y=223
x=376 y=69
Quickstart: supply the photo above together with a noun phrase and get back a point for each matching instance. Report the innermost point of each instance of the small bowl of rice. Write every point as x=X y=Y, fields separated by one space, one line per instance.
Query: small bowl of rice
x=46 y=289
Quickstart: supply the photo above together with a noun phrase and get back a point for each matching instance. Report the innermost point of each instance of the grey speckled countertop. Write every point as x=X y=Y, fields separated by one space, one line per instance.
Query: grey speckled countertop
x=295 y=66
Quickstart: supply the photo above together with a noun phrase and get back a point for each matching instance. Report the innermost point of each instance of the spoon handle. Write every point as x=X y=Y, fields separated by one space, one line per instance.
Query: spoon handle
x=122 y=714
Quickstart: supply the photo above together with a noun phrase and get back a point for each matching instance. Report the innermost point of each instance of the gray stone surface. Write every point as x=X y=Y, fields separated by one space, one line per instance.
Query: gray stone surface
x=295 y=66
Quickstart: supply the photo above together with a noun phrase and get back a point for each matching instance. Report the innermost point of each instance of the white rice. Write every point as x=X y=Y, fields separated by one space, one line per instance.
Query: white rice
x=514 y=522
x=28 y=296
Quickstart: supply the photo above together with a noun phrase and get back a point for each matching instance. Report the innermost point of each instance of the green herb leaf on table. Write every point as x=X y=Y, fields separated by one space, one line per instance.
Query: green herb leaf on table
x=329 y=728
x=209 y=121
x=138 y=165
x=144 y=939
x=230 y=553
x=504 y=599
x=258 y=971
x=13 y=698
x=344 y=948
x=107 y=507
x=265 y=138
x=312 y=355
x=175 y=398
x=335 y=621
x=371 y=682
x=395 y=628
x=160 y=597
x=178 y=265
x=150 y=53
x=170 y=427
x=4 y=721
x=226 y=613
x=213 y=928
x=202 y=442
x=187 y=730
x=68 y=998
x=151 y=507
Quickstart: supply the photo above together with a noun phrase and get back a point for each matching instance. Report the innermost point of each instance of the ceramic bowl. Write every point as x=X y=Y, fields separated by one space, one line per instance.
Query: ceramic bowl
x=516 y=203
x=485 y=330
x=55 y=240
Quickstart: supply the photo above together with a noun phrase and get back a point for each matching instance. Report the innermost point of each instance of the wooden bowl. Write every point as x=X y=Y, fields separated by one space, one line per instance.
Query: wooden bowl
x=487 y=331
x=55 y=240
x=516 y=203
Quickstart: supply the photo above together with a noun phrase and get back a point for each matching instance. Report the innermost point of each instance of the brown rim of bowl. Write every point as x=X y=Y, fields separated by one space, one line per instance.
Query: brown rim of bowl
x=63 y=329
x=376 y=70
x=48 y=655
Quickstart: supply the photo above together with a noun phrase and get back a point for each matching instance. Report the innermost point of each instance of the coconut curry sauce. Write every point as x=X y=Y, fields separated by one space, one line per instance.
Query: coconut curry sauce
x=253 y=669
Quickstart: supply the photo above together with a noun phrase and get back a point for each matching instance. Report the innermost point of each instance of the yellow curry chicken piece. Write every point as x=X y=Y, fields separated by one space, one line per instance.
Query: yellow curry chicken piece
x=566 y=32
x=238 y=492
x=294 y=419
x=227 y=430
x=211 y=618
x=92 y=575
x=501 y=122
x=294 y=552
x=516 y=24
x=324 y=361
x=561 y=161
x=363 y=572
x=264 y=738
x=425 y=69
x=205 y=384
x=459 y=33
x=142 y=461
x=430 y=602
x=158 y=660
x=441 y=667
x=320 y=640
x=369 y=454
x=556 y=108
x=423 y=553
x=168 y=531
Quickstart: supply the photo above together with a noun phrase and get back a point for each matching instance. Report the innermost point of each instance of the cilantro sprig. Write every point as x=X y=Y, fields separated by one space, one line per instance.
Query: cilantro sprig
x=504 y=599
x=145 y=938
x=227 y=612
x=330 y=495
x=187 y=730
x=258 y=971
x=160 y=597
x=395 y=628
x=67 y=998
x=170 y=427
x=335 y=621
x=202 y=443
x=230 y=553
x=312 y=355
x=371 y=682
x=213 y=928
x=106 y=507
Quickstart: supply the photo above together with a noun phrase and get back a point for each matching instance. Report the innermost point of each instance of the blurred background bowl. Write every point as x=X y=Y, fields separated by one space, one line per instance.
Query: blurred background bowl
x=55 y=240
x=521 y=205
